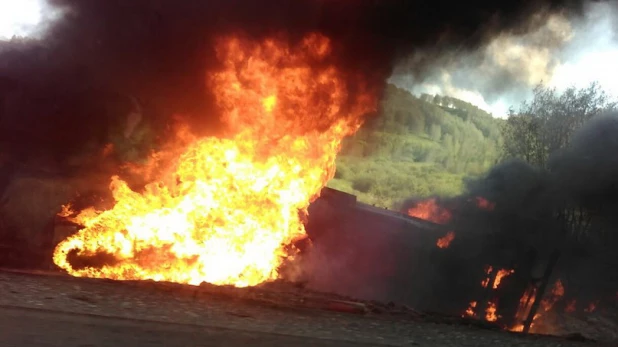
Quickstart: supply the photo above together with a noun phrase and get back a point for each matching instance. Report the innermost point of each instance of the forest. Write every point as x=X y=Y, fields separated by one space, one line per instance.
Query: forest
x=417 y=146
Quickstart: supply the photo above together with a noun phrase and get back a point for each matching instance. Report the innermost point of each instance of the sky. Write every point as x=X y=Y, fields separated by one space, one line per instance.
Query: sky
x=20 y=17
x=562 y=53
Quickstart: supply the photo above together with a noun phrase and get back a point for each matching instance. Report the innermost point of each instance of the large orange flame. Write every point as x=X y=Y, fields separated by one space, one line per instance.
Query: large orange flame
x=227 y=209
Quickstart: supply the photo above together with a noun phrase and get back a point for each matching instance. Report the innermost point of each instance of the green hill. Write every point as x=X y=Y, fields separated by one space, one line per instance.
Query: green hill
x=417 y=146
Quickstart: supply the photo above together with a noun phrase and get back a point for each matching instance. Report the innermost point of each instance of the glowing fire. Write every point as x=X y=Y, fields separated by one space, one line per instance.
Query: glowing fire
x=527 y=300
x=484 y=204
x=445 y=241
x=557 y=292
x=490 y=312
x=429 y=210
x=591 y=307
x=66 y=210
x=500 y=275
x=570 y=306
x=470 y=310
x=488 y=270
x=226 y=210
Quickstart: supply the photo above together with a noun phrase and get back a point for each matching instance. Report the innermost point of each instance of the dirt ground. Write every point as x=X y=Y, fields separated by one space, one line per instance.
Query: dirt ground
x=58 y=310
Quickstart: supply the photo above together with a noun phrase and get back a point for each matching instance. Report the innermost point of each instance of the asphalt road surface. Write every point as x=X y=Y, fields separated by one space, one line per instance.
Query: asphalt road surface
x=31 y=327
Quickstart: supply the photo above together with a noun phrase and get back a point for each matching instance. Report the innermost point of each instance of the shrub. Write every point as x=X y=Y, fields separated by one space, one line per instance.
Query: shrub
x=363 y=184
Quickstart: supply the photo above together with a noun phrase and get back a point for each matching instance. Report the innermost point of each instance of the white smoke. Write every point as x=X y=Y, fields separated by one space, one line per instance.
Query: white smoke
x=563 y=52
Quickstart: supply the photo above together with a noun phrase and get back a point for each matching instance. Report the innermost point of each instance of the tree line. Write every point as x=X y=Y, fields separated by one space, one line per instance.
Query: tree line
x=417 y=146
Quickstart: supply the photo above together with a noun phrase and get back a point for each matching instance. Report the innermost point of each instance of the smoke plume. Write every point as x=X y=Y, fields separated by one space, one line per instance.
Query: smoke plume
x=568 y=208
x=57 y=90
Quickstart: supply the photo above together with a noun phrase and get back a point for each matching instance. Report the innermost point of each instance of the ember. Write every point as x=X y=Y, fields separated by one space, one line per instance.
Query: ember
x=228 y=208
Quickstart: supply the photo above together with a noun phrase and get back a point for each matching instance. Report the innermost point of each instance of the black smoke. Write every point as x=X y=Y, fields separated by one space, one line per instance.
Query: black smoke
x=567 y=209
x=56 y=92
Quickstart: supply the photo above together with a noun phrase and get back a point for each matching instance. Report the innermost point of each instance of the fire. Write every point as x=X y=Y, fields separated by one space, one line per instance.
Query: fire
x=470 y=310
x=488 y=270
x=570 y=306
x=500 y=275
x=429 y=210
x=66 y=210
x=484 y=204
x=226 y=209
x=490 y=312
x=527 y=299
x=445 y=241
x=557 y=292
x=591 y=307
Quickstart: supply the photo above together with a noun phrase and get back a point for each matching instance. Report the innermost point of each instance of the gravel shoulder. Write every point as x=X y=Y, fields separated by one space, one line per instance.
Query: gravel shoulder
x=161 y=306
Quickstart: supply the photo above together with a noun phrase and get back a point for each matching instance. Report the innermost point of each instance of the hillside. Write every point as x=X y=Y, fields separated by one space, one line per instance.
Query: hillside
x=417 y=146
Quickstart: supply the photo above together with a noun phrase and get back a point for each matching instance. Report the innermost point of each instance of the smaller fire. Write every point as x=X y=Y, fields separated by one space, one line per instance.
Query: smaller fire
x=525 y=302
x=484 y=204
x=429 y=210
x=570 y=307
x=527 y=299
x=488 y=271
x=470 y=310
x=66 y=210
x=591 y=307
x=490 y=312
x=445 y=241
x=500 y=275
x=556 y=293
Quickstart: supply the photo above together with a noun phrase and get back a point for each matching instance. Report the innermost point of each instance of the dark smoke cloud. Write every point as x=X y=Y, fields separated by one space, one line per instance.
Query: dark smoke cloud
x=158 y=52
x=588 y=168
x=523 y=228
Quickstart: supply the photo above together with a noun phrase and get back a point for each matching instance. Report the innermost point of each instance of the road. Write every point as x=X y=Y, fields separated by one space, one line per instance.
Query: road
x=48 y=310
x=32 y=327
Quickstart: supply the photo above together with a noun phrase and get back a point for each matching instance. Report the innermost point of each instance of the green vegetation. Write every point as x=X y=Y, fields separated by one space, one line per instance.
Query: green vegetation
x=417 y=147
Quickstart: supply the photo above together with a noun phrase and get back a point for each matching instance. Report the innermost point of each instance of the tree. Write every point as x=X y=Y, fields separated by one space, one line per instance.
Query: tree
x=545 y=124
